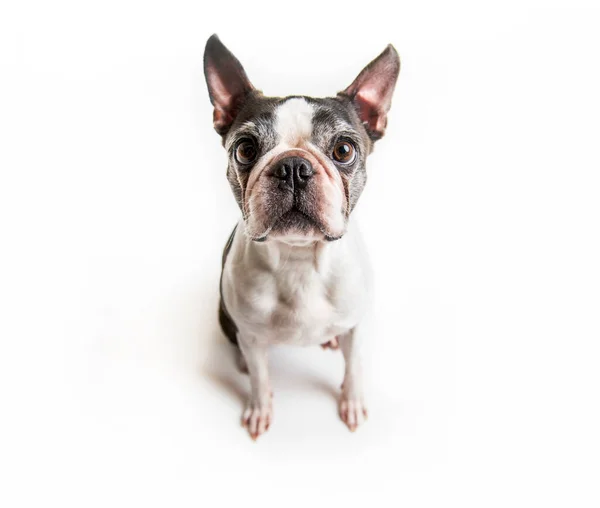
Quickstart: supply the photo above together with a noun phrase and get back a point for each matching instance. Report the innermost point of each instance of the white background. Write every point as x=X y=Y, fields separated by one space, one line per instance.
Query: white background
x=481 y=213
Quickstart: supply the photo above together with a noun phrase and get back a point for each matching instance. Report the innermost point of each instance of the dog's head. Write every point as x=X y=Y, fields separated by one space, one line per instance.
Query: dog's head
x=297 y=164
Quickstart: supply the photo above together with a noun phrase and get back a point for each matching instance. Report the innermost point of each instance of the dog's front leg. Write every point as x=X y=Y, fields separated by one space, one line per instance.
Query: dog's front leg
x=352 y=406
x=258 y=413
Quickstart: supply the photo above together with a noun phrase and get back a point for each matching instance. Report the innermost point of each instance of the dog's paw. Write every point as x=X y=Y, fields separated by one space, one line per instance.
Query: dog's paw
x=333 y=344
x=257 y=417
x=353 y=412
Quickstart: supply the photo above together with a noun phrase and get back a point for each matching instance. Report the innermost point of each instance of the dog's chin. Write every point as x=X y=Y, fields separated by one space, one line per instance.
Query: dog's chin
x=298 y=228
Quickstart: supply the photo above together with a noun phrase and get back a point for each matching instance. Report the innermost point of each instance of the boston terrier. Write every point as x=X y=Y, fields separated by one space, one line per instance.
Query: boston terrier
x=294 y=269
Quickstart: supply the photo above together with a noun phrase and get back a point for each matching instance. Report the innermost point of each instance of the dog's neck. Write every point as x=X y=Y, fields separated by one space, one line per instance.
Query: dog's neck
x=277 y=252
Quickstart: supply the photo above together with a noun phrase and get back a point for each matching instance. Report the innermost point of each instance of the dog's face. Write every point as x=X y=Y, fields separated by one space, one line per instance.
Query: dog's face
x=297 y=164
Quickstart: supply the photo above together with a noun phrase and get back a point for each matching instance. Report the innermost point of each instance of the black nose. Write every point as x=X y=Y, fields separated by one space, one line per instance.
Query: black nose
x=294 y=172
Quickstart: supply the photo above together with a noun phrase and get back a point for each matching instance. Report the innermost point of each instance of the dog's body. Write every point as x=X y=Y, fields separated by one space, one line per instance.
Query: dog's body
x=295 y=270
x=298 y=295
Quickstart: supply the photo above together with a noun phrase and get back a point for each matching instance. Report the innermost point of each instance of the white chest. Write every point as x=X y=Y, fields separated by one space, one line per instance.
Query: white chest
x=294 y=299
x=303 y=309
x=292 y=306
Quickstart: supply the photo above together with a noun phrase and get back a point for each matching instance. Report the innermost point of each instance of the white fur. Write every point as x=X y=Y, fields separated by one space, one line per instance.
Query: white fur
x=301 y=294
x=293 y=122
x=278 y=293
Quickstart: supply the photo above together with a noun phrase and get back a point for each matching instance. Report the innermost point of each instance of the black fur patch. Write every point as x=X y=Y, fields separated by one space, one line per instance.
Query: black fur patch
x=227 y=325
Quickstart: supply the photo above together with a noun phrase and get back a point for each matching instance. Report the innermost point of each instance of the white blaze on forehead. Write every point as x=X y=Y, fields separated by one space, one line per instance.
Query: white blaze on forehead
x=293 y=121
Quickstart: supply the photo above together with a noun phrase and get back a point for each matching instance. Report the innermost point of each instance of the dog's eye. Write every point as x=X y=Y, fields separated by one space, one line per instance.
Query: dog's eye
x=245 y=151
x=344 y=152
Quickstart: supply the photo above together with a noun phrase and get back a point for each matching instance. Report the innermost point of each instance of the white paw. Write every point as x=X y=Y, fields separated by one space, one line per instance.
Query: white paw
x=353 y=412
x=257 y=418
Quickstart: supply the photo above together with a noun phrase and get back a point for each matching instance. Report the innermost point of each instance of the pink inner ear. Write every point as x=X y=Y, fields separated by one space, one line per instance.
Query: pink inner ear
x=221 y=93
x=221 y=119
x=221 y=90
x=223 y=102
x=228 y=88
x=371 y=92
x=369 y=112
x=228 y=85
x=369 y=95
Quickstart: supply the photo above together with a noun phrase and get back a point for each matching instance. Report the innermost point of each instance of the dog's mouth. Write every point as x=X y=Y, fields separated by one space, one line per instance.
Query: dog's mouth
x=296 y=224
x=296 y=218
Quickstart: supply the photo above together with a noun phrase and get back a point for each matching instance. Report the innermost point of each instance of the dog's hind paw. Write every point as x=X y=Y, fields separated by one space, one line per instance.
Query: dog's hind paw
x=333 y=344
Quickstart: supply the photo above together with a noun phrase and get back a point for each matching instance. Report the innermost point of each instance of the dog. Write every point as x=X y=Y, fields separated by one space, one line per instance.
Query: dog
x=294 y=269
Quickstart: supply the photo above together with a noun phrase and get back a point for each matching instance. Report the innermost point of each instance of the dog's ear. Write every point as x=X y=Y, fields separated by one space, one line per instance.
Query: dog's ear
x=371 y=92
x=228 y=85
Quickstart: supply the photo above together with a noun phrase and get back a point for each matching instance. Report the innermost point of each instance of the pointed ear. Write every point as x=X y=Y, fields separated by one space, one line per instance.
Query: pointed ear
x=228 y=85
x=371 y=92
